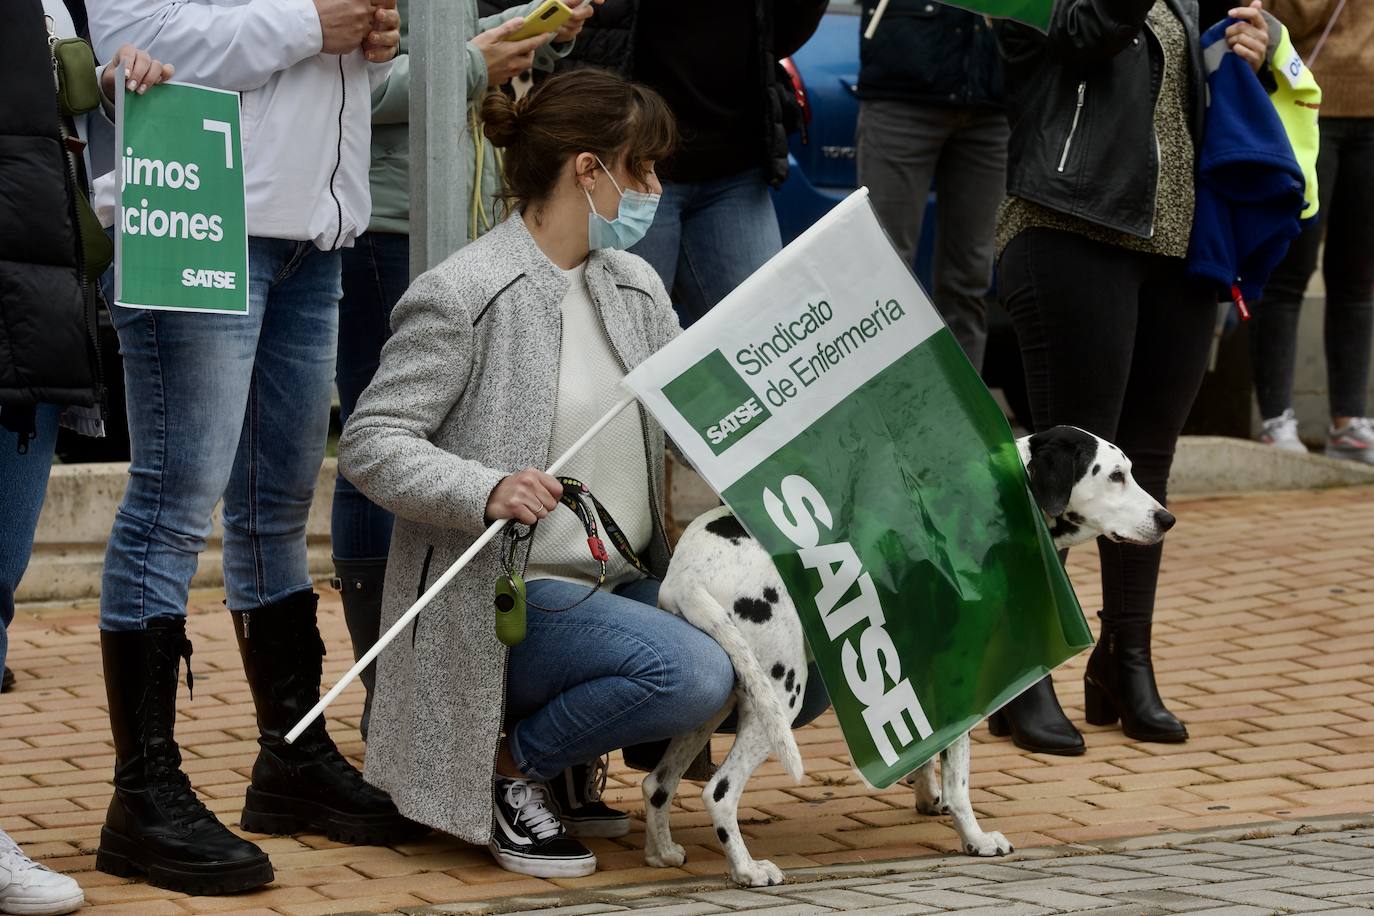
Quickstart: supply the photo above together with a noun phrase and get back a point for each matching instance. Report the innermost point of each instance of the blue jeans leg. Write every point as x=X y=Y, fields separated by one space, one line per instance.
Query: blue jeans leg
x=190 y=378
x=615 y=670
x=376 y=271
x=725 y=230
x=23 y=483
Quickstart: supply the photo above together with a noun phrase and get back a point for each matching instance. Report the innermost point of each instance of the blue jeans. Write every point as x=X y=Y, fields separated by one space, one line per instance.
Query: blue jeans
x=23 y=482
x=611 y=672
x=376 y=271
x=224 y=406
x=708 y=236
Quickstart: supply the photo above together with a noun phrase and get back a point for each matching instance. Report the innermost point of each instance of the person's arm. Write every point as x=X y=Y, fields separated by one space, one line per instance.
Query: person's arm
x=386 y=449
x=1084 y=33
x=794 y=22
x=228 y=47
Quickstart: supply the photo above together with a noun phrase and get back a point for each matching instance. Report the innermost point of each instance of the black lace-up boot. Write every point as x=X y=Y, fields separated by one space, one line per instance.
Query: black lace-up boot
x=156 y=826
x=308 y=785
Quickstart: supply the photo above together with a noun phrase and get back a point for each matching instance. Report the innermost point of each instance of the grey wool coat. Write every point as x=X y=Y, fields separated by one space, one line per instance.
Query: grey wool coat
x=465 y=395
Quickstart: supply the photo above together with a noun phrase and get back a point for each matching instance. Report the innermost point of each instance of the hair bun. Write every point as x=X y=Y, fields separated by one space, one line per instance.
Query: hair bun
x=500 y=118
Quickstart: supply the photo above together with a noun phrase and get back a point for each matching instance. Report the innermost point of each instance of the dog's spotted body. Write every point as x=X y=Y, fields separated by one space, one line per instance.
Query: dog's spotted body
x=725 y=584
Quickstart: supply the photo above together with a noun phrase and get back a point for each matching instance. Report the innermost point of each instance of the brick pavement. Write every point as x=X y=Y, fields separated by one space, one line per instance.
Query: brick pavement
x=1265 y=646
x=1328 y=870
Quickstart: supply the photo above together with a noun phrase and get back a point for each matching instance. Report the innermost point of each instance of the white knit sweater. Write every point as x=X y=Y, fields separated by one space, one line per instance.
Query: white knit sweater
x=613 y=464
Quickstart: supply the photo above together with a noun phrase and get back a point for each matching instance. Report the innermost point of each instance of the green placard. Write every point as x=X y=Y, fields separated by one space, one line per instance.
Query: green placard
x=883 y=480
x=182 y=239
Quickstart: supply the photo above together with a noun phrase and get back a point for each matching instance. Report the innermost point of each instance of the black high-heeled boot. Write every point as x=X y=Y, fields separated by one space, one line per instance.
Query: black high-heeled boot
x=1120 y=684
x=1036 y=723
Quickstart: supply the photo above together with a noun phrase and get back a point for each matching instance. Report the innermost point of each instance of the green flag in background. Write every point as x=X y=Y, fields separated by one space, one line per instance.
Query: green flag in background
x=1032 y=12
x=834 y=412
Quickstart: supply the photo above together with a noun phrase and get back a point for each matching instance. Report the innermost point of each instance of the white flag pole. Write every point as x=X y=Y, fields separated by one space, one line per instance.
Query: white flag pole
x=877 y=17
x=443 y=580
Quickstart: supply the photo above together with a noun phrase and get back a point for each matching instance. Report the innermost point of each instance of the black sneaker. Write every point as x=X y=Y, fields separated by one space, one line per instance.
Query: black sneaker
x=576 y=794
x=528 y=838
x=7 y=681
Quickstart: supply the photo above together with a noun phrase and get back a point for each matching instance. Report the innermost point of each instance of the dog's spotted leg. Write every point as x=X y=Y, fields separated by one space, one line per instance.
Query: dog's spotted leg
x=659 y=849
x=954 y=783
x=926 y=784
x=722 y=797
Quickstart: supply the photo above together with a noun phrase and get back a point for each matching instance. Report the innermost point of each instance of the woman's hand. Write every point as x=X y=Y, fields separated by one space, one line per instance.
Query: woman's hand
x=142 y=71
x=526 y=497
x=580 y=14
x=1249 y=38
x=507 y=59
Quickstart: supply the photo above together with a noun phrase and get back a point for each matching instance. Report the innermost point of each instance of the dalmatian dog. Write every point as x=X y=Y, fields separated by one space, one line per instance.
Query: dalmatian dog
x=725 y=584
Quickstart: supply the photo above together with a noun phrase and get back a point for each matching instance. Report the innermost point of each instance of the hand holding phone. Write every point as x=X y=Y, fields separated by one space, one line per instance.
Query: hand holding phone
x=548 y=17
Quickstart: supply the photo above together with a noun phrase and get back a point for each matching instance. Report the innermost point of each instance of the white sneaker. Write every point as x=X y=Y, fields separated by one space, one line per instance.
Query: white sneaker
x=30 y=889
x=1352 y=442
x=1282 y=433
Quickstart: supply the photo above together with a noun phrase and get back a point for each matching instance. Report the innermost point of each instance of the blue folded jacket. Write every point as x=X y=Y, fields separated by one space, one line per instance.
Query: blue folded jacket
x=1250 y=186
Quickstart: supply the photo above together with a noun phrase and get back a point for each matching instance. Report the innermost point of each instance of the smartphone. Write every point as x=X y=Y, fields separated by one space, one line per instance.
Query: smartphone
x=548 y=17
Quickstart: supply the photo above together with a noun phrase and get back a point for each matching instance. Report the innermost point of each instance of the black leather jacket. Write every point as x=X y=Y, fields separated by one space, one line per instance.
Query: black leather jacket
x=1080 y=102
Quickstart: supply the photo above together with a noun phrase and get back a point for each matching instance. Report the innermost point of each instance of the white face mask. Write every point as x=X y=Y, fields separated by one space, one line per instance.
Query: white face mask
x=634 y=216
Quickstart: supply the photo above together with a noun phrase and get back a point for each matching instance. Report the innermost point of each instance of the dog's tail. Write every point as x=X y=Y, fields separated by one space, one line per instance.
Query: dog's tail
x=704 y=612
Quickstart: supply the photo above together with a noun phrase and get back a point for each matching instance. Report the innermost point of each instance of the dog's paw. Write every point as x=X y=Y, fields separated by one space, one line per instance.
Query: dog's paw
x=931 y=807
x=668 y=855
x=757 y=873
x=988 y=844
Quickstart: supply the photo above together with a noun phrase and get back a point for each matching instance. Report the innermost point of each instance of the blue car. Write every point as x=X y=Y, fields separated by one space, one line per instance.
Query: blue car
x=825 y=75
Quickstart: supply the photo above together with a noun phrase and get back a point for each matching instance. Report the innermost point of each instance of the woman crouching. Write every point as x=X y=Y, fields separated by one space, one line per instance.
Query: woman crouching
x=500 y=358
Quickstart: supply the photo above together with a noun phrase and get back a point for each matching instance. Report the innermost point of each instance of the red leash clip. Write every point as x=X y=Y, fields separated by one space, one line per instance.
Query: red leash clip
x=1239 y=300
x=598 y=549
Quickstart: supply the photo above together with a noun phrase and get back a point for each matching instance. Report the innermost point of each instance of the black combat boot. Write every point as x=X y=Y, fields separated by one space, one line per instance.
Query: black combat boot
x=360 y=587
x=156 y=826
x=1036 y=723
x=1120 y=684
x=307 y=786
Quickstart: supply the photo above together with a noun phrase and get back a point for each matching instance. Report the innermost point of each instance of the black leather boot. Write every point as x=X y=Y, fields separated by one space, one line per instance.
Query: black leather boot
x=307 y=786
x=6 y=681
x=156 y=826
x=360 y=586
x=1120 y=684
x=1036 y=723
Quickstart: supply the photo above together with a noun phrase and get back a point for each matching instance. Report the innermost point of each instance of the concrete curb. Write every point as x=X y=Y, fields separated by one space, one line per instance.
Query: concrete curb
x=82 y=500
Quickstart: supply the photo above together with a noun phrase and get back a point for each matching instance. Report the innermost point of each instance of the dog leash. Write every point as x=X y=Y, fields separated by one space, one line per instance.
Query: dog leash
x=510 y=595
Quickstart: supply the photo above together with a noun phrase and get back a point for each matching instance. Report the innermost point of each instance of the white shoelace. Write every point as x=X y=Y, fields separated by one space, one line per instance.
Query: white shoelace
x=530 y=801
x=14 y=858
x=596 y=778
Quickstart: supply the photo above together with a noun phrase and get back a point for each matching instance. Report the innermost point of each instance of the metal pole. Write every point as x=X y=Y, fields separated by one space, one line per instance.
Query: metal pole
x=443 y=580
x=438 y=33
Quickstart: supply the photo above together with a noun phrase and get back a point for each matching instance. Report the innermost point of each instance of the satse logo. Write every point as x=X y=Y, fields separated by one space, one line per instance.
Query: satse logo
x=716 y=400
x=209 y=279
x=733 y=421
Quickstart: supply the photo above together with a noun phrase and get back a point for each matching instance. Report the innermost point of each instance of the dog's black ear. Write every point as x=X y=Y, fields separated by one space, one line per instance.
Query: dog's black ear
x=1052 y=473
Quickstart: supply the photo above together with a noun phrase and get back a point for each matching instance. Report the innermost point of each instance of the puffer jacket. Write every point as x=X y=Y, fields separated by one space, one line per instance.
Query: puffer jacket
x=1080 y=101
x=47 y=311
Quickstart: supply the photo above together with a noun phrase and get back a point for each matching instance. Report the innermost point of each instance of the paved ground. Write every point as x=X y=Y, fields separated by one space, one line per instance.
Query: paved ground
x=1265 y=644
x=1309 y=870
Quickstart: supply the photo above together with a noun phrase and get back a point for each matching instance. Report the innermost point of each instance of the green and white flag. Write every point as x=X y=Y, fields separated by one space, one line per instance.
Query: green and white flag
x=827 y=403
x=182 y=239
